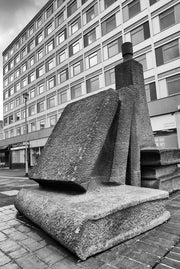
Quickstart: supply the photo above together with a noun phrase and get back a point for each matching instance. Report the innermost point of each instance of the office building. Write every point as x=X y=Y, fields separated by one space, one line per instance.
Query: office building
x=69 y=50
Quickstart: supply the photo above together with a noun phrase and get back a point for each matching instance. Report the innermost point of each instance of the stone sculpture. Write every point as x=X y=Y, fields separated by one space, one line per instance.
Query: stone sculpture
x=85 y=200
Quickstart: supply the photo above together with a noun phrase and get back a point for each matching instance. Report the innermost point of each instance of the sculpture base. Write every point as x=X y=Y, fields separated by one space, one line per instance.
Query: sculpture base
x=93 y=222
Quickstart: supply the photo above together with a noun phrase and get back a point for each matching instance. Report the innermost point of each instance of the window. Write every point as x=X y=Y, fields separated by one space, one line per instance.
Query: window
x=11 y=119
x=61 y=37
x=24 y=82
x=31 y=30
x=24 y=37
x=40 y=54
x=41 y=88
x=77 y=68
x=167 y=18
x=18 y=131
x=173 y=84
x=72 y=8
x=17 y=59
x=40 y=71
x=91 y=13
x=6 y=82
x=52 y=120
x=51 y=64
x=17 y=101
x=59 y=2
x=24 y=67
x=39 y=38
x=114 y=47
x=140 y=33
x=75 y=26
x=12 y=105
x=84 y=1
x=11 y=91
x=5 y=108
x=134 y=8
x=40 y=106
x=31 y=45
x=49 y=29
x=60 y=19
x=17 y=73
x=31 y=61
x=152 y=2
x=93 y=59
x=33 y=126
x=51 y=102
x=142 y=60
x=109 y=25
x=6 y=95
x=90 y=37
x=108 y=3
x=150 y=91
x=32 y=110
x=17 y=87
x=92 y=84
x=62 y=97
x=24 y=52
x=32 y=93
x=6 y=69
x=76 y=91
x=74 y=48
x=51 y=83
x=49 y=11
x=167 y=52
x=17 y=116
x=12 y=133
x=11 y=65
x=11 y=78
x=50 y=46
x=63 y=76
x=32 y=77
x=42 y=124
x=5 y=121
x=110 y=77
x=39 y=21
x=62 y=56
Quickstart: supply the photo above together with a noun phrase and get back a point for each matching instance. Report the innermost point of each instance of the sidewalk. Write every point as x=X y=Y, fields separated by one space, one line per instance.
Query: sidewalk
x=23 y=245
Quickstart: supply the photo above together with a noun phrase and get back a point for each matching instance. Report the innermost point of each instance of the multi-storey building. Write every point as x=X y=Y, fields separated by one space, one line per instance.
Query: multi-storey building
x=69 y=51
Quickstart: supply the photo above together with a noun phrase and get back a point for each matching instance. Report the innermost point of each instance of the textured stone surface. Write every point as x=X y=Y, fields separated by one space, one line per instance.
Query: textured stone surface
x=168 y=182
x=92 y=222
x=126 y=159
x=130 y=74
x=156 y=157
x=156 y=172
x=80 y=148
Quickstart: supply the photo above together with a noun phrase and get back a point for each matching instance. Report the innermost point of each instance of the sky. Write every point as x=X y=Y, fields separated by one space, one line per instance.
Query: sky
x=14 y=15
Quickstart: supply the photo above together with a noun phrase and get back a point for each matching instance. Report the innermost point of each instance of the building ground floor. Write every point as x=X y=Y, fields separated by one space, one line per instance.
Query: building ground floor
x=165 y=121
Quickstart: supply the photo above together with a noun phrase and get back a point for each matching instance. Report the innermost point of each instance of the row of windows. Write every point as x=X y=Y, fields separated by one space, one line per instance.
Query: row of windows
x=32 y=126
x=110 y=50
x=164 y=54
x=92 y=84
x=129 y=11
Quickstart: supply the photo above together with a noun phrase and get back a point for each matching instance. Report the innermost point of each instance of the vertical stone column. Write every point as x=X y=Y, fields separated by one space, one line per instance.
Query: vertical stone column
x=130 y=74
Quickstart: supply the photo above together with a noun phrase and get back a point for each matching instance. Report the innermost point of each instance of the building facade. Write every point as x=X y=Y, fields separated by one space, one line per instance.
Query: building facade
x=69 y=51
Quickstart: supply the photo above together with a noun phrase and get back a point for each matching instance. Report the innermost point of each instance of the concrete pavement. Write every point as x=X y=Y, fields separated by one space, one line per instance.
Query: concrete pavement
x=23 y=245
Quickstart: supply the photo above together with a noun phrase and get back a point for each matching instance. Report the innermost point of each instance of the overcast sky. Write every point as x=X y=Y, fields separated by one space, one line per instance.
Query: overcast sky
x=14 y=15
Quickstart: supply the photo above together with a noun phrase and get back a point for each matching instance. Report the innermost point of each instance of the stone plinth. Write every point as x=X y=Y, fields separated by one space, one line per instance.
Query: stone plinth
x=156 y=157
x=80 y=148
x=93 y=222
x=168 y=183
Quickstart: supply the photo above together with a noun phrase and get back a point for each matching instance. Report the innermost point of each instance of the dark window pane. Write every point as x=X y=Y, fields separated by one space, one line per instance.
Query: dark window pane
x=108 y=3
x=173 y=84
x=167 y=18
x=134 y=8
